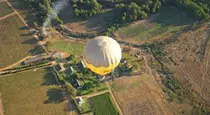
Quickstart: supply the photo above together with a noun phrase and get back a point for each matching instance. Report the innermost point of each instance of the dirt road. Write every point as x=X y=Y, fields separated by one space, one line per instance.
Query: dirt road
x=92 y=95
x=8 y=15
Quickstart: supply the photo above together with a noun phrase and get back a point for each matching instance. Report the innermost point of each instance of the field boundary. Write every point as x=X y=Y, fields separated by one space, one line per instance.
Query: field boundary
x=3 y=0
x=10 y=66
x=114 y=99
x=1 y=106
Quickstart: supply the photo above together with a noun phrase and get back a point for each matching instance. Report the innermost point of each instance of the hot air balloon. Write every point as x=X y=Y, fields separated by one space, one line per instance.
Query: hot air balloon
x=102 y=54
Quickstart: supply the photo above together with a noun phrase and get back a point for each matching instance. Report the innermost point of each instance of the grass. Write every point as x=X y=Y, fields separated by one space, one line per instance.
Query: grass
x=5 y=9
x=84 y=107
x=69 y=47
x=32 y=93
x=102 y=105
x=169 y=21
x=16 y=41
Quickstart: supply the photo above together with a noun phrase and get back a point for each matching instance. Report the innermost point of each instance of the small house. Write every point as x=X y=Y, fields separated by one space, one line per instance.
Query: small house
x=78 y=84
x=59 y=67
x=80 y=100
x=69 y=70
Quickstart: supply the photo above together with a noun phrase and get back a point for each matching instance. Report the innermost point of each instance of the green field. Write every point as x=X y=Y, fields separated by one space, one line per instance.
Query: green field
x=16 y=41
x=74 y=48
x=102 y=105
x=5 y=9
x=167 y=22
x=32 y=93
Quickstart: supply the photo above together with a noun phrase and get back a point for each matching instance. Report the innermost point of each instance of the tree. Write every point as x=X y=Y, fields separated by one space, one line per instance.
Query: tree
x=71 y=90
x=86 y=8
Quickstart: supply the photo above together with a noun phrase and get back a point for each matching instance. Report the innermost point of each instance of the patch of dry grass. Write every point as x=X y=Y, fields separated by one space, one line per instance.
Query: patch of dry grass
x=32 y=93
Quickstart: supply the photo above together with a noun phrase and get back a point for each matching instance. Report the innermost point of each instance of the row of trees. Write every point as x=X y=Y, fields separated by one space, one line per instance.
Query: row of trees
x=86 y=8
x=42 y=9
x=194 y=8
x=127 y=11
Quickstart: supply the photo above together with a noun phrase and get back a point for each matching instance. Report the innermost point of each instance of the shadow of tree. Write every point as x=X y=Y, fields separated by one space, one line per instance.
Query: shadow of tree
x=49 y=77
x=26 y=11
x=172 y=16
x=24 y=28
x=54 y=96
x=28 y=34
x=30 y=41
x=36 y=50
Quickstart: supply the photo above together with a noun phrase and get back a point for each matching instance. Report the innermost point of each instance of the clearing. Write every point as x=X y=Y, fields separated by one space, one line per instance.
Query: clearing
x=16 y=37
x=103 y=105
x=157 y=26
x=139 y=95
x=5 y=9
x=93 y=24
x=32 y=93
x=68 y=46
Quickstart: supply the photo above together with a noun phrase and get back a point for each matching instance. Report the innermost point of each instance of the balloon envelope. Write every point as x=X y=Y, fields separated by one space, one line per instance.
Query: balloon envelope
x=102 y=54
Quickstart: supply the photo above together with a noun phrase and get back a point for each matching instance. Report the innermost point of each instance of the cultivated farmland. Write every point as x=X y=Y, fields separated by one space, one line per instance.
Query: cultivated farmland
x=16 y=41
x=5 y=9
x=32 y=93
x=139 y=95
x=102 y=105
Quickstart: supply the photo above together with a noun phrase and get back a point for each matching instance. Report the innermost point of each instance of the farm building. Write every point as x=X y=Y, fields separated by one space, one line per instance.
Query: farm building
x=69 y=70
x=36 y=58
x=59 y=55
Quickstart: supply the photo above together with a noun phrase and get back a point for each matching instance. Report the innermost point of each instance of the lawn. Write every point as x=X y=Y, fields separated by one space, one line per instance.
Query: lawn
x=16 y=41
x=102 y=105
x=32 y=93
x=75 y=48
x=5 y=9
x=166 y=23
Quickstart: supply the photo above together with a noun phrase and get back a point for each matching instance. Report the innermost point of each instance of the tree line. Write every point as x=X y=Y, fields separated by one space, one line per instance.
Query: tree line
x=127 y=11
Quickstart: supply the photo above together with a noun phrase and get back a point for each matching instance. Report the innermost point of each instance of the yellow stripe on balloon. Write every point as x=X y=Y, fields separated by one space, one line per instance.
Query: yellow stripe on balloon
x=101 y=70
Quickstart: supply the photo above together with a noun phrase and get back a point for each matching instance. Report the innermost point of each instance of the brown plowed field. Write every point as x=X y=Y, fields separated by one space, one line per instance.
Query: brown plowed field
x=139 y=95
